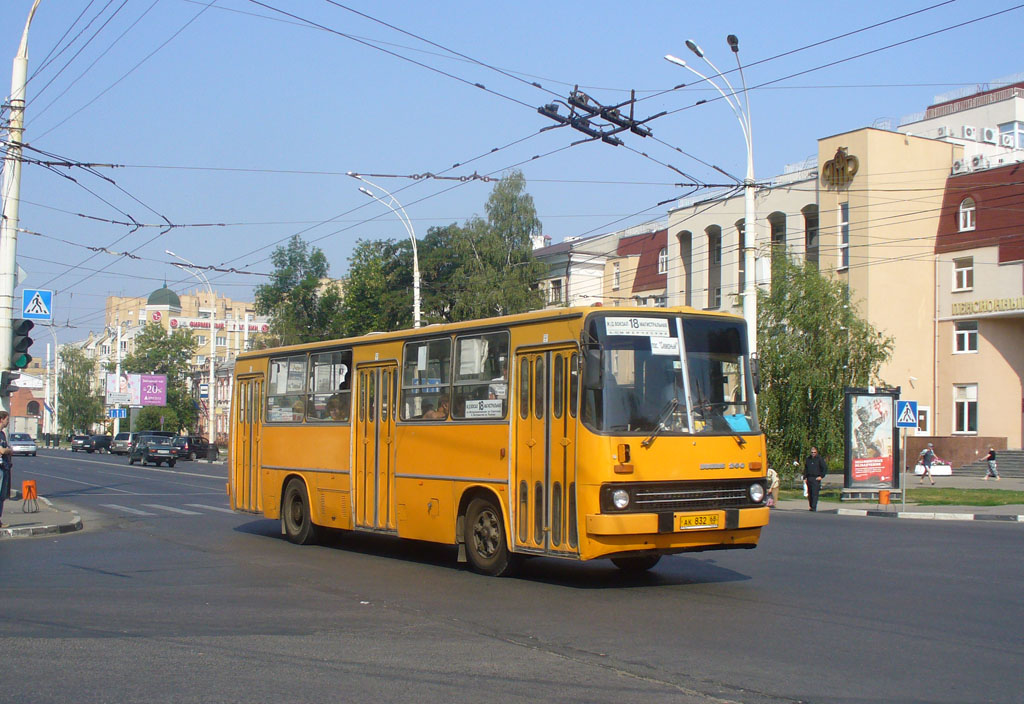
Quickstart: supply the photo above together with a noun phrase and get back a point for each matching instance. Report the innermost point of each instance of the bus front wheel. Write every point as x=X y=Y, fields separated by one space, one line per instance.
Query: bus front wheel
x=298 y=525
x=486 y=547
x=636 y=565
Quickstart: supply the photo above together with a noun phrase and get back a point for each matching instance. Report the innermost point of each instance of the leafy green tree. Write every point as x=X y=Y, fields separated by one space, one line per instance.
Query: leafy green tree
x=150 y=416
x=157 y=352
x=79 y=407
x=378 y=290
x=301 y=306
x=811 y=345
x=498 y=266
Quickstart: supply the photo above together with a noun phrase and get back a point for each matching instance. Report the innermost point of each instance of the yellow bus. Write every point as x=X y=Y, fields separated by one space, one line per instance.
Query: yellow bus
x=580 y=433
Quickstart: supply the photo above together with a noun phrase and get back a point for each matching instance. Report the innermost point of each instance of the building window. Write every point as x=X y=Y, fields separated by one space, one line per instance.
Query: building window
x=924 y=426
x=965 y=399
x=963 y=274
x=124 y=345
x=844 y=235
x=106 y=351
x=810 y=213
x=555 y=294
x=716 y=298
x=663 y=261
x=200 y=340
x=1011 y=135
x=222 y=341
x=615 y=276
x=966 y=336
x=968 y=213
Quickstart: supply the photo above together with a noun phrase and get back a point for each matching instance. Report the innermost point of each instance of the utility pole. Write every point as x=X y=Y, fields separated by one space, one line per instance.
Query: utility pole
x=12 y=198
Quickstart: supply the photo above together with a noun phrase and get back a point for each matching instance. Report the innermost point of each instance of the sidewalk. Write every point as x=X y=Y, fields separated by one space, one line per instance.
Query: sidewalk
x=1010 y=512
x=47 y=520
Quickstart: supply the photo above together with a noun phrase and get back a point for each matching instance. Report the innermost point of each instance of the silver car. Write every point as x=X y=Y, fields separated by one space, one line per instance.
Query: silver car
x=22 y=444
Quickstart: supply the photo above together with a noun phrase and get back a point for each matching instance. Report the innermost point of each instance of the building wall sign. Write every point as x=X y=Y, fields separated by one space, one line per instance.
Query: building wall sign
x=840 y=170
x=204 y=324
x=988 y=305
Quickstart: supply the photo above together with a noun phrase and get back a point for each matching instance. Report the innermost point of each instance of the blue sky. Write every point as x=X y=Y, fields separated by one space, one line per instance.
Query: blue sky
x=247 y=119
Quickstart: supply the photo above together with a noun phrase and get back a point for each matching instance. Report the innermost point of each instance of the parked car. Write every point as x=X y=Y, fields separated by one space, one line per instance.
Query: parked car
x=22 y=444
x=155 y=449
x=190 y=447
x=90 y=443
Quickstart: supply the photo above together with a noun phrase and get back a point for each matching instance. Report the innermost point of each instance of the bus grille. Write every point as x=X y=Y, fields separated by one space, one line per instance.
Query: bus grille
x=656 y=497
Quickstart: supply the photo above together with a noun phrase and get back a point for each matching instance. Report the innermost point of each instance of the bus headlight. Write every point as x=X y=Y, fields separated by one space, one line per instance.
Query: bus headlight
x=756 y=493
x=620 y=498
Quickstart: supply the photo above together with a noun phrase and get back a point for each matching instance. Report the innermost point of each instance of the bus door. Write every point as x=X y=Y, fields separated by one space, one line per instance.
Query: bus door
x=374 y=481
x=245 y=455
x=545 y=471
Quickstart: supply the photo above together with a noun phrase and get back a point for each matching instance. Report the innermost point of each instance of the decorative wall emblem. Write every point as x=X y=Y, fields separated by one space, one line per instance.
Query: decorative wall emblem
x=840 y=170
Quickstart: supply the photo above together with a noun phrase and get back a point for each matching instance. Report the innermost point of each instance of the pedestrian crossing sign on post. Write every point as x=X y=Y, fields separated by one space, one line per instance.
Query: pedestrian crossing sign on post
x=906 y=414
x=36 y=304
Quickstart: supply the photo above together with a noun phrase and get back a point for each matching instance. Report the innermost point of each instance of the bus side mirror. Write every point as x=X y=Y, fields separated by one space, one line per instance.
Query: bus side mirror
x=592 y=368
x=755 y=374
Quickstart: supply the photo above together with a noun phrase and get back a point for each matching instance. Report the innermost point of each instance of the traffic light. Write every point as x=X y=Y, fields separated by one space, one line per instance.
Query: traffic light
x=7 y=380
x=20 y=342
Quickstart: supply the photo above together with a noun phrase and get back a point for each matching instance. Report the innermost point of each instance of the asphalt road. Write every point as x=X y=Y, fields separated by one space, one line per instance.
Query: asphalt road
x=167 y=597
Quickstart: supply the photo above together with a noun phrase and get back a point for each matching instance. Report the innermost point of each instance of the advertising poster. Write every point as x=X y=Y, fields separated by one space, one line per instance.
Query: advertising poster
x=871 y=448
x=126 y=389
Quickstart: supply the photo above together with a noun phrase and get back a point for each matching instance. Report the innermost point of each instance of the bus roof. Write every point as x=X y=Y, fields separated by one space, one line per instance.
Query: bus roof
x=549 y=314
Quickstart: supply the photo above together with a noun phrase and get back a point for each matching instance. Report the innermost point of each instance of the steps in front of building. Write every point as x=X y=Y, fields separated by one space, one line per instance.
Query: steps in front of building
x=1010 y=464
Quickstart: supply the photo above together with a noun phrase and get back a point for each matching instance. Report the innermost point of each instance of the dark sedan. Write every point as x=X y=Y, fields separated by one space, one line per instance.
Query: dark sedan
x=152 y=449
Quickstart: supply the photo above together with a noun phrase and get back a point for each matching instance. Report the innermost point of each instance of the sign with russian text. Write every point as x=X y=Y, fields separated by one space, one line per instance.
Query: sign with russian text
x=871 y=439
x=641 y=327
x=136 y=389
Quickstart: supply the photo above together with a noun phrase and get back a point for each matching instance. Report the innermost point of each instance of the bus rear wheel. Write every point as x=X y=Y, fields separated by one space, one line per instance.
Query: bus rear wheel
x=486 y=547
x=636 y=565
x=298 y=525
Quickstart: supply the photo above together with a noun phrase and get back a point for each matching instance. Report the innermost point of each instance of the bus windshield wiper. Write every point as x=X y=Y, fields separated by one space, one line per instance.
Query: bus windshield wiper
x=669 y=409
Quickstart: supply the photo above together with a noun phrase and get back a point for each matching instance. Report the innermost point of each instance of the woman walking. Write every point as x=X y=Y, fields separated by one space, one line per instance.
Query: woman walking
x=991 y=459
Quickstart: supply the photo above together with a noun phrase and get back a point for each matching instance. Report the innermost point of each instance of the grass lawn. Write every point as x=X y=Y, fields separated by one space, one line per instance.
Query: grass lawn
x=932 y=497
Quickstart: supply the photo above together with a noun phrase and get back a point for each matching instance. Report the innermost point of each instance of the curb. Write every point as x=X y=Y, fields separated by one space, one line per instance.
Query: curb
x=929 y=516
x=75 y=524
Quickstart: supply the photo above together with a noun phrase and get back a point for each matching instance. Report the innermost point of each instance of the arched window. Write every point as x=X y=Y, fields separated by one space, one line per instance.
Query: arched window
x=33 y=408
x=663 y=261
x=968 y=214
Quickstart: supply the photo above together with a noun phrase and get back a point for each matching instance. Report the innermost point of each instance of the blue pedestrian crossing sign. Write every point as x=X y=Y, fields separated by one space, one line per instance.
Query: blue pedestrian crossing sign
x=906 y=414
x=37 y=304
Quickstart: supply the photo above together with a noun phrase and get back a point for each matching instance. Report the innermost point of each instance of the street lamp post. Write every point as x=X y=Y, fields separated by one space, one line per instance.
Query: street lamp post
x=752 y=276
x=212 y=392
x=400 y=213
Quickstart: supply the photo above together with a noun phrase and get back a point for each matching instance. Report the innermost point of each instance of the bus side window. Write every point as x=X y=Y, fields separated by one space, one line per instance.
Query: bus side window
x=426 y=380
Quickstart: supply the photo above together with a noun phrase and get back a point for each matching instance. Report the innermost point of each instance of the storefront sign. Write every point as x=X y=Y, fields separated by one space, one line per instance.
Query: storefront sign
x=840 y=170
x=988 y=305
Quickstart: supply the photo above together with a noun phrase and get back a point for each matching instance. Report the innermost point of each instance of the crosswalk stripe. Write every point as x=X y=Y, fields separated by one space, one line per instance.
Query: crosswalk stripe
x=174 y=510
x=135 y=511
x=212 y=508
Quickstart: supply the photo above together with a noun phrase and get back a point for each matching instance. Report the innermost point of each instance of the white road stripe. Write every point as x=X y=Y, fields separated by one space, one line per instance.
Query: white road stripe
x=212 y=508
x=172 y=509
x=135 y=511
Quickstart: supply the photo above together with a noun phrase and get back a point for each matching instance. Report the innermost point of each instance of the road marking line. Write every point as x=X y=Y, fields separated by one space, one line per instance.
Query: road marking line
x=212 y=508
x=135 y=511
x=174 y=510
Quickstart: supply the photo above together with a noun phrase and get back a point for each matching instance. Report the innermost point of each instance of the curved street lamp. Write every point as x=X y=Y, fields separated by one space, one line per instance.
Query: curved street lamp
x=742 y=113
x=400 y=213
x=201 y=277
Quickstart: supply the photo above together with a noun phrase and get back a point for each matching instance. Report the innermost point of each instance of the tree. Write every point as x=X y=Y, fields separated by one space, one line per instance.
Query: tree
x=150 y=419
x=301 y=306
x=157 y=352
x=811 y=345
x=378 y=289
x=498 y=267
x=79 y=408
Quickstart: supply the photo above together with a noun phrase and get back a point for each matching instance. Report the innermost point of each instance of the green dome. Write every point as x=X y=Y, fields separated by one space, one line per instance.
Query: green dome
x=164 y=297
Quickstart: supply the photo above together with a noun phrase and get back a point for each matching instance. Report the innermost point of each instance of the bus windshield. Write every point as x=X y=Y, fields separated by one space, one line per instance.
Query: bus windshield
x=672 y=375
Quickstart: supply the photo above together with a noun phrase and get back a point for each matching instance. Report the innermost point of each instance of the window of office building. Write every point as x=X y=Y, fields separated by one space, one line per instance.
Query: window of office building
x=963 y=274
x=968 y=214
x=966 y=336
x=663 y=261
x=965 y=401
x=1011 y=134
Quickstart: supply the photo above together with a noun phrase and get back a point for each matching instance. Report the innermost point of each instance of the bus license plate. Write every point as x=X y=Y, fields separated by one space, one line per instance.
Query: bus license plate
x=700 y=521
